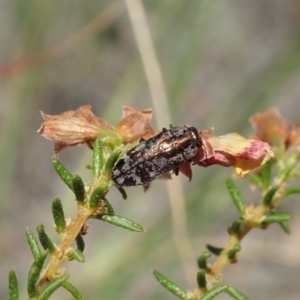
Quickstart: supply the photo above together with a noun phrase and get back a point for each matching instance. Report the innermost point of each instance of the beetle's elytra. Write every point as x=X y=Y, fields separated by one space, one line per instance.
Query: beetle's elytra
x=154 y=157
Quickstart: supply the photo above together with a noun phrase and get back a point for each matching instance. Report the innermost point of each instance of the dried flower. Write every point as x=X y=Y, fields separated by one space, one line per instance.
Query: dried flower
x=233 y=150
x=82 y=126
x=272 y=128
x=135 y=125
x=72 y=128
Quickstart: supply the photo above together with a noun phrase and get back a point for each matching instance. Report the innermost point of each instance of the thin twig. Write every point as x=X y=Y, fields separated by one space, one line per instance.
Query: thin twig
x=160 y=103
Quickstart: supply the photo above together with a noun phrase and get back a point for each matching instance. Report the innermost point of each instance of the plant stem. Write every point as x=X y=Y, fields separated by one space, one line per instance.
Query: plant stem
x=67 y=238
x=253 y=219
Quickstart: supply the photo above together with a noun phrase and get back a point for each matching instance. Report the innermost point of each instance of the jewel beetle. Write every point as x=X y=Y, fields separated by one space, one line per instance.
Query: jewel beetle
x=156 y=156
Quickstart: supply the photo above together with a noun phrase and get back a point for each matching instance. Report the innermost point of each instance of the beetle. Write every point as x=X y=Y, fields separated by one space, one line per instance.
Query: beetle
x=156 y=156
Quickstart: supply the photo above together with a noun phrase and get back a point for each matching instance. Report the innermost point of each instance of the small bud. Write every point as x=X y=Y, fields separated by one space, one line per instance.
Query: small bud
x=232 y=253
x=97 y=195
x=201 y=279
x=236 y=225
x=58 y=215
x=80 y=242
x=45 y=240
x=202 y=260
x=63 y=173
x=76 y=254
x=78 y=188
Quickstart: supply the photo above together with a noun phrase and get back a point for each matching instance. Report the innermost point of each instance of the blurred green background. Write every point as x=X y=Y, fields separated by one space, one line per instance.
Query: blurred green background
x=221 y=62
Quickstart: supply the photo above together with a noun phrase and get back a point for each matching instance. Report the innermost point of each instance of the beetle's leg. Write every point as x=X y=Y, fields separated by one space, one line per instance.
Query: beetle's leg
x=176 y=171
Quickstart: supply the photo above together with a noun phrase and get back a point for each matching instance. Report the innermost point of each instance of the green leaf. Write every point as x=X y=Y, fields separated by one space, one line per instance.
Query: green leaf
x=112 y=160
x=110 y=210
x=122 y=192
x=98 y=158
x=284 y=224
x=52 y=286
x=72 y=289
x=236 y=225
x=256 y=179
x=13 y=286
x=58 y=215
x=236 y=196
x=44 y=239
x=201 y=279
x=33 y=277
x=232 y=252
x=266 y=175
x=269 y=195
x=285 y=227
x=63 y=173
x=235 y=294
x=97 y=195
x=80 y=242
x=202 y=260
x=276 y=218
x=78 y=188
x=214 y=250
x=291 y=190
x=77 y=255
x=33 y=244
x=287 y=170
x=122 y=222
x=170 y=285
x=215 y=291
x=34 y=274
